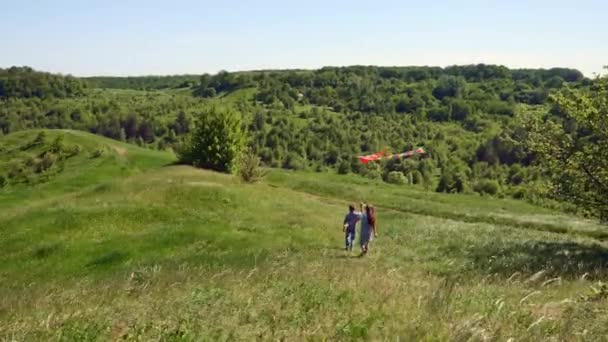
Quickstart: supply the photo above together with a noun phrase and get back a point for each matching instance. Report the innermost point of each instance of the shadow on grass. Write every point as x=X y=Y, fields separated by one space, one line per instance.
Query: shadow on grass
x=112 y=257
x=347 y=256
x=557 y=259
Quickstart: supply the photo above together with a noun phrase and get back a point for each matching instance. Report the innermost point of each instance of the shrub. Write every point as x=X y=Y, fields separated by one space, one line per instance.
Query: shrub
x=19 y=172
x=57 y=145
x=344 y=167
x=250 y=169
x=15 y=169
x=293 y=162
x=40 y=139
x=453 y=182
x=97 y=153
x=320 y=168
x=47 y=161
x=31 y=161
x=416 y=177
x=487 y=186
x=396 y=177
x=3 y=181
x=373 y=174
x=520 y=193
x=216 y=142
x=73 y=151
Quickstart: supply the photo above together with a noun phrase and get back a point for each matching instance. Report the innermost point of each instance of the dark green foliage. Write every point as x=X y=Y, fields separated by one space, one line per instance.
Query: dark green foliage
x=344 y=167
x=216 y=142
x=460 y=110
x=396 y=177
x=487 y=186
x=57 y=146
x=293 y=162
x=454 y=178
x=3 y=181
x=48 y=160
x=449 y=86
x=96 y=153
x=25 y=82
x=143 y=82
x=40 y=139
x=572 y=146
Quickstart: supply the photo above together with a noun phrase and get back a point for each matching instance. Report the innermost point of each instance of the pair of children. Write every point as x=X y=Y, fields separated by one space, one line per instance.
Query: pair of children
x=367 y=216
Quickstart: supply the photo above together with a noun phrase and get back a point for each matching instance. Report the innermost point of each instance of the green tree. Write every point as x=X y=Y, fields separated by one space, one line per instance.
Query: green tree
x=250 y=169
x=216 y=142
x=574 y=149
x=396 y=177
x=487 y=186
x=344 y=167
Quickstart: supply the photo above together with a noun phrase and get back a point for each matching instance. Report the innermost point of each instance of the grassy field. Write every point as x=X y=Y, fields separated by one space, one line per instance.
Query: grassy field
x=125 y=245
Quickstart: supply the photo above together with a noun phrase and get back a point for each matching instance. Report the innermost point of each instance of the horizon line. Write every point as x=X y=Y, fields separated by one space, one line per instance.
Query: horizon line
x=594 y=74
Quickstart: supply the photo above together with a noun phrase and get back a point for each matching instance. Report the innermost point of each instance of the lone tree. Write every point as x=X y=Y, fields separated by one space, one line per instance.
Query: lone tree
x=572 y=145
x=216 y=142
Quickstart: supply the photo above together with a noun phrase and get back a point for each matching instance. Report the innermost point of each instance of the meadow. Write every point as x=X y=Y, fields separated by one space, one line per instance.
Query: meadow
x=117 y=242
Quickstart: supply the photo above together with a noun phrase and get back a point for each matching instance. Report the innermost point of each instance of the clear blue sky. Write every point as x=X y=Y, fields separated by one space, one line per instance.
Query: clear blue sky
x=132 y=37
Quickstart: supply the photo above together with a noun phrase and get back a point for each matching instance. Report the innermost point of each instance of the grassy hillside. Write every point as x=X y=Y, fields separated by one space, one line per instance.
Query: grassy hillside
x=124 y=246
x=95 y=159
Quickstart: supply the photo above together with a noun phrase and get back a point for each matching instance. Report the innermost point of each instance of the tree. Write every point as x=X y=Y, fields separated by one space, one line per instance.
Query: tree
x=574 y=150
x=130 y=126
x=181 y=124
x=487 y=186
x=40 y=139
x=344 y=167
x=146 y=132
x=250 y=169
x=216 y=142
x=396 y=177
x=449 y=86
x=460 y=110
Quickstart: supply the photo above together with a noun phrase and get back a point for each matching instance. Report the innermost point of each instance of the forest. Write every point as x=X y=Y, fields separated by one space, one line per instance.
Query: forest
x=469 y=118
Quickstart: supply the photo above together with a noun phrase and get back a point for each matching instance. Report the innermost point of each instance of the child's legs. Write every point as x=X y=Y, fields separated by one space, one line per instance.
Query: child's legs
x=350 y=239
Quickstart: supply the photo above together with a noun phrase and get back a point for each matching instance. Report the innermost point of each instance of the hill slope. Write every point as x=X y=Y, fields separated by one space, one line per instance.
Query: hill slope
x=179 y=253
x=84 y=160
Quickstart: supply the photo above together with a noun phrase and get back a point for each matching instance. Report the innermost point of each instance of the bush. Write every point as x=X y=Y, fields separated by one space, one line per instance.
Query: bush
x=47 y=161
x=3 y=181
x=486 y=186
x=373 y=174
x=216 y=142
x=520 y=193
x=452 y=182
x=15 y=169
x=344 y=167
x=293 y=162
x=40 y=139
x=73 y=151
x=396 y=177
x=416 y=177
x=97 y=153
x=57 y=145
x=250 y=169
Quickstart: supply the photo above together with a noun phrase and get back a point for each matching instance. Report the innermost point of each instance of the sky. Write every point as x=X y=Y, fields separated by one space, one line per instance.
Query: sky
x=151 y=37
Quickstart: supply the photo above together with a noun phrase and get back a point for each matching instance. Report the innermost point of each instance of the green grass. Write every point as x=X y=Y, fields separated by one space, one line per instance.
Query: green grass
x=175 y=253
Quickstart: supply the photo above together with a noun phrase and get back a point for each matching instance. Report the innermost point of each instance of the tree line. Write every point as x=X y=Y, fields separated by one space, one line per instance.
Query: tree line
x=469 y=118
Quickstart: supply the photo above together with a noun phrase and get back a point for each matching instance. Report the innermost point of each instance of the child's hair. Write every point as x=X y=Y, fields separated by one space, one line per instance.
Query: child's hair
x=371 y=214
x=351 y=207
